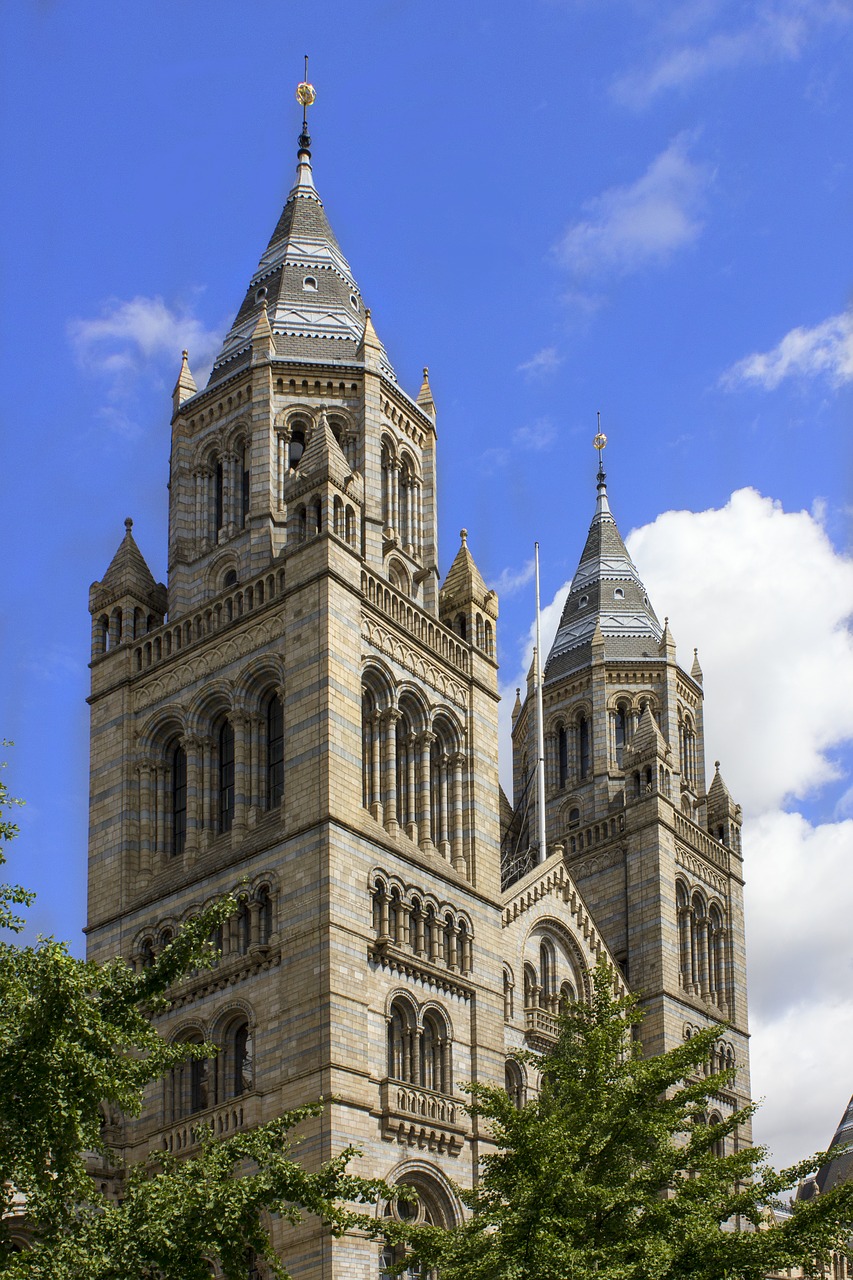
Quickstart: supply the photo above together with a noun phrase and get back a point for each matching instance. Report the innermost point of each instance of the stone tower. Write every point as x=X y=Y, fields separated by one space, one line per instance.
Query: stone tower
x=307 y=714
x=655 y=854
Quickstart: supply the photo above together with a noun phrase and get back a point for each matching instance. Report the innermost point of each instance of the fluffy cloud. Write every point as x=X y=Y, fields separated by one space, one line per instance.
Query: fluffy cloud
x=826 y=350
x=775 y=32
x=644 y=222
x=137 y=337
x=512 y=580
x=542 y=363
x=769 y=600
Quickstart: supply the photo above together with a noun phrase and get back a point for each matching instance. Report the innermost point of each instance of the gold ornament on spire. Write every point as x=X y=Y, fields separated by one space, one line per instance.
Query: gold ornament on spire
x=601 y=439
x=306 y=94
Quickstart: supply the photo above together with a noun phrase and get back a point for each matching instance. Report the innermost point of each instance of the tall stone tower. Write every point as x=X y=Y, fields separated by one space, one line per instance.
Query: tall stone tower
x=655 y=854
x=307 y=714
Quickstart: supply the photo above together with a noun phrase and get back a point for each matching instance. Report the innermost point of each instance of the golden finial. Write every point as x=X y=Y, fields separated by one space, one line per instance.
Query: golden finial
x=305 y=92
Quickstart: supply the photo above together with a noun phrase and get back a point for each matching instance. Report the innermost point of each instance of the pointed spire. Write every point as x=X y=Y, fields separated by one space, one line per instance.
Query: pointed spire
x=315 y=309
x=718 y=789
x=185 y=386
x=425 y=399
x=516 y=710
x=128 y=575
x=323 y=455
x=647 y=736
x=696 y=670
x=607 y=604
x=666 y=648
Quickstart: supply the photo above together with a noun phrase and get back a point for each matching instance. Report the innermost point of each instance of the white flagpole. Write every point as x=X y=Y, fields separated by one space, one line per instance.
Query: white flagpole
x=540 y=726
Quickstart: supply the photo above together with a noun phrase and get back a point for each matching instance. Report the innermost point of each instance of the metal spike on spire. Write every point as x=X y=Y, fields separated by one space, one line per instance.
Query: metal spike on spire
x=600 y=443
x=307 y=95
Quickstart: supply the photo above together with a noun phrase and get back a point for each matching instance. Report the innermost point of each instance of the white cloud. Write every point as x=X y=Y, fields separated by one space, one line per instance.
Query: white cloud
x=136 y=337
x=646 y=221
x=776 y=32
x=542 y=363
x=537 y=436
x=512 y=580
x=826 y=350
x=768 y=599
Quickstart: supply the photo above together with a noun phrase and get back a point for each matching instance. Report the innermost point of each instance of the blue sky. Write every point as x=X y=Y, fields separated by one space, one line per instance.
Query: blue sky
x=560 y=207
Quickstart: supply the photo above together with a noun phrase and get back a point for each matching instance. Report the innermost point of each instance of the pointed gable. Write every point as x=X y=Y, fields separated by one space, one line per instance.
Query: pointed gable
x=323 y=456
x=303 y=281
x=607 y=600
x=464 y=582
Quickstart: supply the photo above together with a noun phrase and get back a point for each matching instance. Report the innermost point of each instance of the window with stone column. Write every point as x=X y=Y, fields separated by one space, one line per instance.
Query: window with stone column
x=274 y=726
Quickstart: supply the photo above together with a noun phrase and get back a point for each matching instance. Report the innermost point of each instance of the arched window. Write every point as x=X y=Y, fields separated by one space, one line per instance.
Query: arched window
x=226 y=776
x=401 y=1062
x=562 y=755
x=146 y=954
x=245 y=490
x=275 y=751
x=547 y=973
x=219 y=499
x=531 y=987
x=264 y=916
x=179 y=799
x=584 y=747
x=234 y=1064
x=508 y=997
x=297 y=446
x=318 y=516
x=514 y=1083
x=244 y=928
x=432 y=1042
x=621 y=728
x=568 y=996
x=186 y=1085
x=574 y=818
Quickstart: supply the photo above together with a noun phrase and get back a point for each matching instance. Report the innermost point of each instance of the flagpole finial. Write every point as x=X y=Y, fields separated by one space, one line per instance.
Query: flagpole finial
x=600 y=443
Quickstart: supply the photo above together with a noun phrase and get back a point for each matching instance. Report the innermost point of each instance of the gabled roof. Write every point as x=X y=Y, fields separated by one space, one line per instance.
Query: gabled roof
x=128 y=575
x=314 y=305
x=607 y=593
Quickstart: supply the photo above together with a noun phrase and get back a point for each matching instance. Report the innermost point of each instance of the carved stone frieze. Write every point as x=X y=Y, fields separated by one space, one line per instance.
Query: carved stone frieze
x=403 y=655
x=699 y=869
x=211 y=659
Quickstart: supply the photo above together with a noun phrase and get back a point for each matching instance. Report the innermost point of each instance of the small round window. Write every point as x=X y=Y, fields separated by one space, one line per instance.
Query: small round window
x=260 y=294
x=353 y=301
x=309 y=284
x=583 y=602
x=618 y=594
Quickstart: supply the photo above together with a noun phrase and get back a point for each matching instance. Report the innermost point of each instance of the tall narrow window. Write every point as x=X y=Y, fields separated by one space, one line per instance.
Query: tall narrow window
x=275 y=751
x=179 y=800
x=244 y=497
x=219 y=500
x=265 y=916
x=563 y=755
x=621 y=734
x=226 y=776
x=584 y=751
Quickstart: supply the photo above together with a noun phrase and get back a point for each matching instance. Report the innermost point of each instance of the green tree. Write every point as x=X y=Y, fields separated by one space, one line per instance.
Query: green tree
x=610 y=1173
x=76 y=1036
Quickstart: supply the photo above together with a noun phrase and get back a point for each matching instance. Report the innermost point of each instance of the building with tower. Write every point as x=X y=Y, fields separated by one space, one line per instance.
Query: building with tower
x=308 y=711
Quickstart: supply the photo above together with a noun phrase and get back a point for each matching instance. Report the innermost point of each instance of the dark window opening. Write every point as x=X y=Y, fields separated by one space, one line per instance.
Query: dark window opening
x=275 y=751
x=226 y=776
x=179 y=800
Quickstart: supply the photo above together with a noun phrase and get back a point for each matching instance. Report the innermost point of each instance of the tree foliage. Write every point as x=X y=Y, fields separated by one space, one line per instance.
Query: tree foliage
x=76 y=1037
x=611 y=1172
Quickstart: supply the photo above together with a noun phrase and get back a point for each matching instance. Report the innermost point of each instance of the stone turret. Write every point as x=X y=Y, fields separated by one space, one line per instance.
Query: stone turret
x=465 y=603
x=127 y=602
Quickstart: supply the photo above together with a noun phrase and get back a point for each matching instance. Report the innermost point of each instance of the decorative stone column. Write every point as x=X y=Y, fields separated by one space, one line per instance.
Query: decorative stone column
x=376 y=807
x=425 y=820
x=239 y=721
x=144 y=771
x=191 y=843
x=390 y=718
x=411 y=793
x=443 y=837
x=456 y=849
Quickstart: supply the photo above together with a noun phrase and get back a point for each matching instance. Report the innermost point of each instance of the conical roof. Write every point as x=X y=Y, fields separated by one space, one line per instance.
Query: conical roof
x=128 y=575
x=606 y=593
x=464 y=580
x=314 y=305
